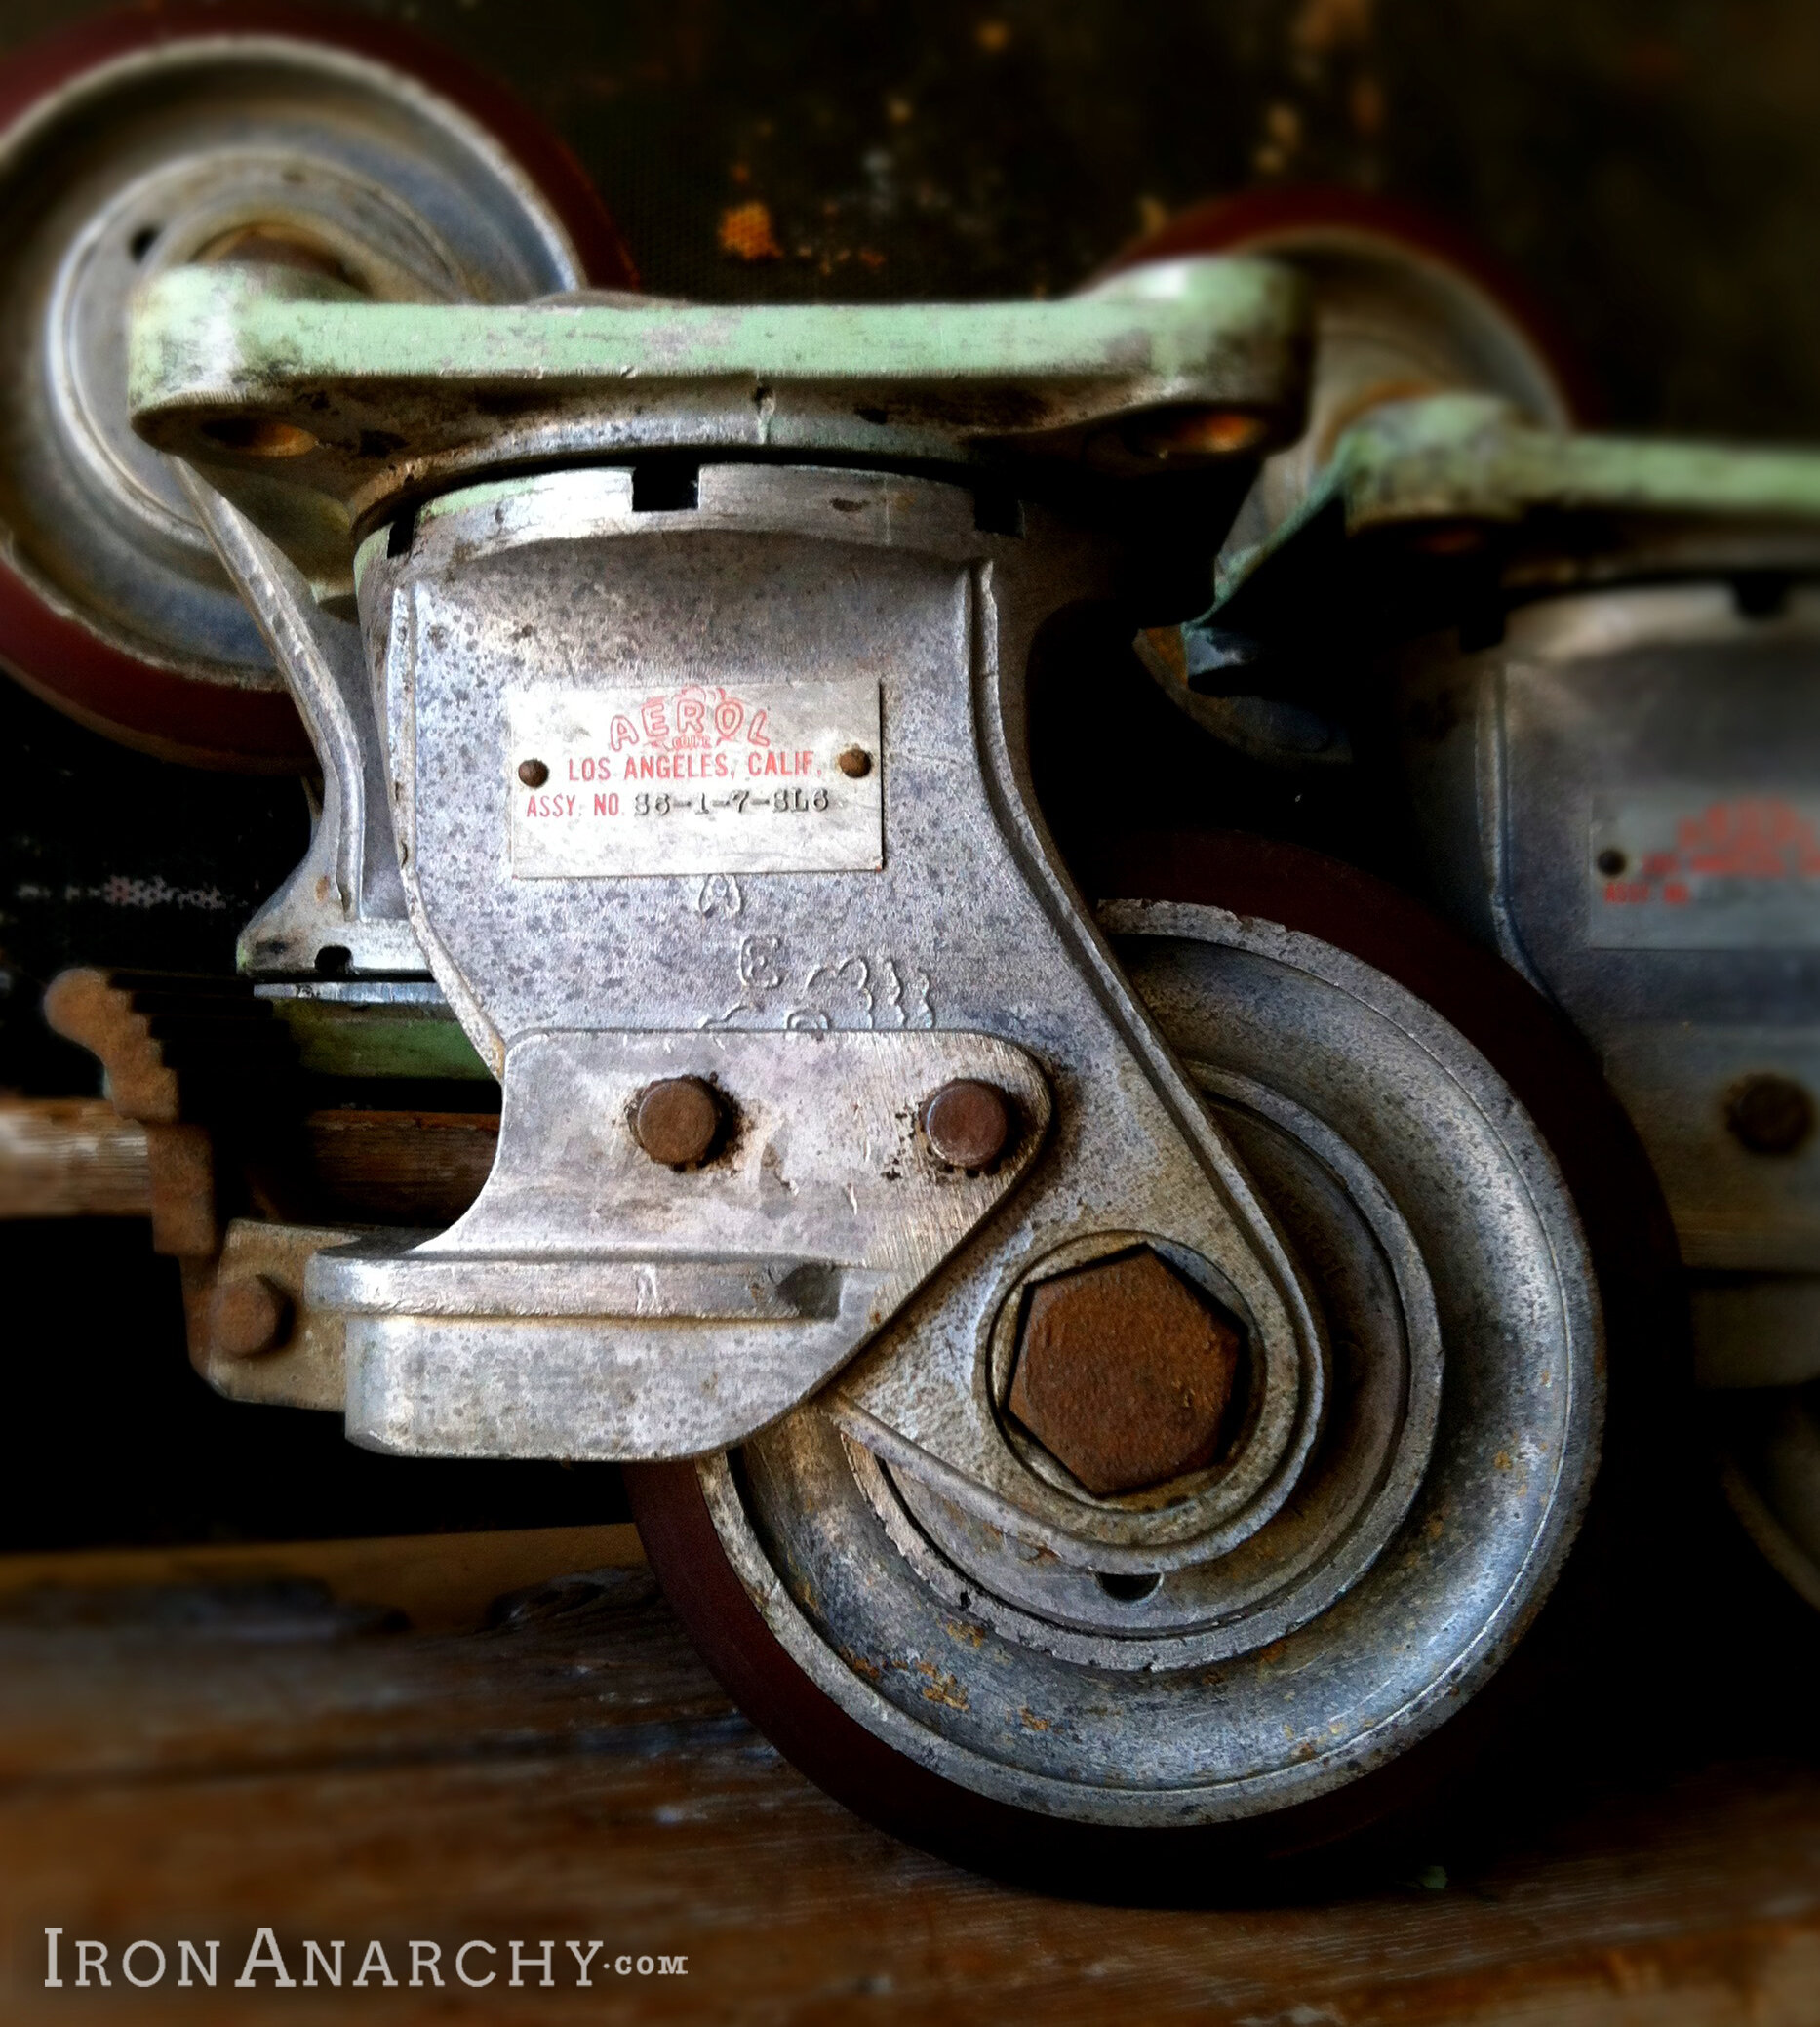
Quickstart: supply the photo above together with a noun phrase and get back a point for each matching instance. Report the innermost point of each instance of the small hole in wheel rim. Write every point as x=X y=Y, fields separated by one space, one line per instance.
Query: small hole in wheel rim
x=1129 y=1587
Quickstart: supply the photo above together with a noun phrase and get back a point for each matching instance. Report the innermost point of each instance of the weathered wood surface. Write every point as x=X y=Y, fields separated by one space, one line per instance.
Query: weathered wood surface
x=71 y=1158
x=198 y=1761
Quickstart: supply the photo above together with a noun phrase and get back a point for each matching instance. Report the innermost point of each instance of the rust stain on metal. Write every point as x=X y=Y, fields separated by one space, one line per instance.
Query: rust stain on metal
x=858 y=1663
x=86 y=1006
x=941 y=1687
x=1124 y=1373
x=746 y=231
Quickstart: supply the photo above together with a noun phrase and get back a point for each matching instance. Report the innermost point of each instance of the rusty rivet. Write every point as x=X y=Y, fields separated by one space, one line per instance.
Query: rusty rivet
x=678 y=1121
x=1124 y=1373
x=1771 y=1115
x=854 y=762
x=967 y=1123
x=258 y=436
x=248 y=1316
x=532 y=773
x=1197 y=433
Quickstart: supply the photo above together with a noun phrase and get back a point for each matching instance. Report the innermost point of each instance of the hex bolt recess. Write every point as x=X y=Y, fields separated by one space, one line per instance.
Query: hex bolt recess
x=248 y=1316
x=677 y=1121
x=969 y=1124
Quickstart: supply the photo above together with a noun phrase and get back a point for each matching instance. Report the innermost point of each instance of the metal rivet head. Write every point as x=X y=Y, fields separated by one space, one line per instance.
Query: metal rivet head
x=532 y=773
x=854 y=762
x=678 y=1121
x=969 y=1124
x=258 y=436
x=1771 y=1115
x=1197 y=433
x=248 y=1316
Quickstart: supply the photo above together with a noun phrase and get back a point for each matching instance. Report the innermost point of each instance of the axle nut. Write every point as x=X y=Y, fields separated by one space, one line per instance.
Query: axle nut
x=248 y=1316
x=678 y=1121
x=968 y=1124
x=1124 y=1373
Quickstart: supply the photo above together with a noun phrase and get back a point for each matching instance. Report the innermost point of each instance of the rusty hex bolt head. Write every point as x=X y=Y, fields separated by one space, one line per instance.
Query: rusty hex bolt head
x=1124 y=1373
x=967 y=1123
x=677 y=1121
x=248 y=1316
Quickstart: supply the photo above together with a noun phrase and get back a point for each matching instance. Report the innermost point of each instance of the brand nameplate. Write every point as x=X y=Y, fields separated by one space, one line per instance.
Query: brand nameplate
x=694 y=777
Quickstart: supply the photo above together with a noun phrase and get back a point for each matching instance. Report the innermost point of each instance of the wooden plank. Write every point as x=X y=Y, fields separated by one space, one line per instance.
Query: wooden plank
x=170 y=1768
x=71 y=1158
x=439 y=1582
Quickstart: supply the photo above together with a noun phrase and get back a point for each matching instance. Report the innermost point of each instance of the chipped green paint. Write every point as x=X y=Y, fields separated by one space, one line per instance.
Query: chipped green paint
x=201 y=332
x=414 y=1040
x=319 y=414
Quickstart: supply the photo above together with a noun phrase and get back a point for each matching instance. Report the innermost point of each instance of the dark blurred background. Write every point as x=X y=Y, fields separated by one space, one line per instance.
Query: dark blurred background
x=1650 y=166
x=1652 y=170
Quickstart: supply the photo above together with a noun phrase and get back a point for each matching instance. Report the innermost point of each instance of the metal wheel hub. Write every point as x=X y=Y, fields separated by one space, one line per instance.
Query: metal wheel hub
x=1350 y=1611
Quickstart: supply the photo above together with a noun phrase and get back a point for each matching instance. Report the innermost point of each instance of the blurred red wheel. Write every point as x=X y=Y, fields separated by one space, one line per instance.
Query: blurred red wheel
x=159 y=135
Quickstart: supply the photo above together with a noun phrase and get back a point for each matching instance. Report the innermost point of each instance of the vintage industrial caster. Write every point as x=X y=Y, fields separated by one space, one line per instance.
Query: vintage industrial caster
x=1115 y=1381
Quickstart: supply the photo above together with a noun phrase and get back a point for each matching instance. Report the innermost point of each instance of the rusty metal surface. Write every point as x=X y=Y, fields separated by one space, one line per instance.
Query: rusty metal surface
x=248 y=1315
x=1124 y=1373
x=264 y=1342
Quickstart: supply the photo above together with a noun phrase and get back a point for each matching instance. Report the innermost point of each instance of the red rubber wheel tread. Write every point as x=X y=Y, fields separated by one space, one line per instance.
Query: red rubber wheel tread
x=51 y=652
x=1633 y=1246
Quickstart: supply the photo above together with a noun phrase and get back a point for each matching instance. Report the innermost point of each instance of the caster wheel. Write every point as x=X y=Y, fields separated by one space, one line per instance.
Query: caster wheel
x=159 y=136
x=1129 y=1734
